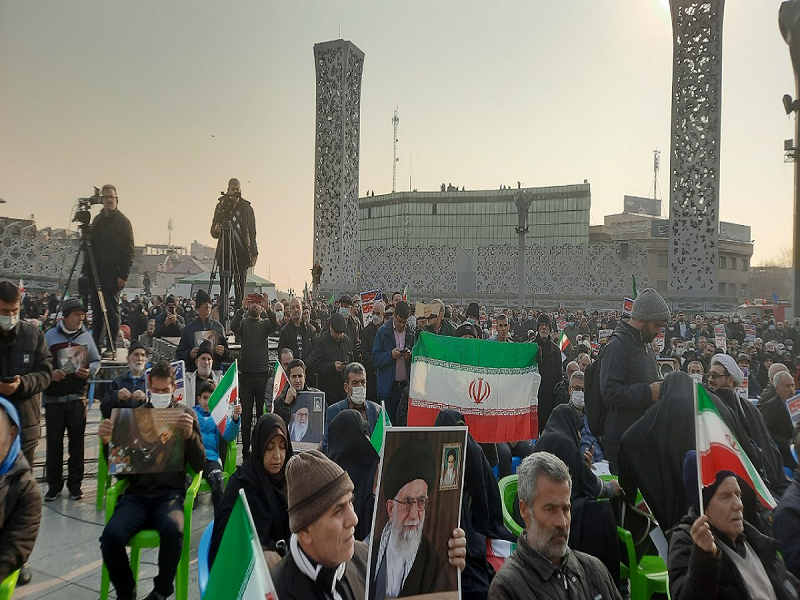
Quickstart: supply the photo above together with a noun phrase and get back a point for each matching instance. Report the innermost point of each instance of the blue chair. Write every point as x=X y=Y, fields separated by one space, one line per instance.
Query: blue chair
x=202 y=558
x=516 y=461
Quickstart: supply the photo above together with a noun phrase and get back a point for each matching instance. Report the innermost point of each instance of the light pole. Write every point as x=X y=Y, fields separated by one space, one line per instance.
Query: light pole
x=789 y=23
x=523 y=201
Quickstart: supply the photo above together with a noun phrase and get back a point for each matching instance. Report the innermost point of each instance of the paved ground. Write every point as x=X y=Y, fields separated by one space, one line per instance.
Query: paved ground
x=66 y=561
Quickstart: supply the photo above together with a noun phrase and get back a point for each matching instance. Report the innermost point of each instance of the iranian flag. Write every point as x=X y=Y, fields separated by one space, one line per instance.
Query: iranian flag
x=376 y=439
x=240 y=571
x=718 y=450
x=226 y=393
x=495 y=386
x=563 y=342
x=279 y=379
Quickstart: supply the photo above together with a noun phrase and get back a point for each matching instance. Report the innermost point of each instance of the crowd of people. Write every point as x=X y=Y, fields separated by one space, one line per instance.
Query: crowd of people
x=615 y=395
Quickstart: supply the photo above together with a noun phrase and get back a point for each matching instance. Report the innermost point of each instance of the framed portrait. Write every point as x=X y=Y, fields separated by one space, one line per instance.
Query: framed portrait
x=451 y=466
x=72 y=358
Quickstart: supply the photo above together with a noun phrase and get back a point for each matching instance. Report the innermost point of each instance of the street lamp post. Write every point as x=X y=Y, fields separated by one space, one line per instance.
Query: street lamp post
x=523 y=201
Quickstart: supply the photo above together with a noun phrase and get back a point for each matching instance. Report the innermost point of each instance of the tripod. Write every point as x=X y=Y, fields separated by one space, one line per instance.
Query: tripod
x=225 y=263
x=86 y=250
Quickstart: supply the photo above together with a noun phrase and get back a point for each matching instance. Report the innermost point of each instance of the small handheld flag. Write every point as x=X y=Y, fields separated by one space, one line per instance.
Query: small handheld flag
x=225 y=394
x=280 y=380
x=563 y=342
x=376 y=439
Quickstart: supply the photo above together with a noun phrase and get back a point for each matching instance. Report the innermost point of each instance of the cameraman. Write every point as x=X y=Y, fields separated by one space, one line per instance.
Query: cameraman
x=112 y=248
x=237 y=211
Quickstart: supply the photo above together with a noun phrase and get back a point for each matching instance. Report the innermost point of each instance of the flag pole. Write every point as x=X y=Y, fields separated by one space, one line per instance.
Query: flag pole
x=697 y=451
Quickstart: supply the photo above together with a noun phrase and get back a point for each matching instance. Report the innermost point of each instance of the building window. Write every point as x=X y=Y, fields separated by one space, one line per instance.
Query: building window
x=745 y=264
x=723 y=288
x=733 y=263
x=661 y=260
x=661 y=286
x=723 y=262
x=433 y=209
x=369 y=212
x=744 y=290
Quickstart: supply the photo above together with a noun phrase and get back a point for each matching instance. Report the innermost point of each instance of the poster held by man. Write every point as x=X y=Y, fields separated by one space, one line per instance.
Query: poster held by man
x=415 y=515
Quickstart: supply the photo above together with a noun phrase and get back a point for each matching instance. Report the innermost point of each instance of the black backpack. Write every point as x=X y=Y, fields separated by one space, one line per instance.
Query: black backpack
x=595 y=406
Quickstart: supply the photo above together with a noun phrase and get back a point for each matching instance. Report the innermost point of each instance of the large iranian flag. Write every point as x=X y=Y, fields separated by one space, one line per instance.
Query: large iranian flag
x=718 y=450
x=240 y=571
x=495 y=385
x=225 y=394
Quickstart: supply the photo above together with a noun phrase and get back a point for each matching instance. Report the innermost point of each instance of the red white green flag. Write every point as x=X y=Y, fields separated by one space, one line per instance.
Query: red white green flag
x=495 y=386
x=279 y=380
x=225 y=395
x=563 y=342
x=718 y=450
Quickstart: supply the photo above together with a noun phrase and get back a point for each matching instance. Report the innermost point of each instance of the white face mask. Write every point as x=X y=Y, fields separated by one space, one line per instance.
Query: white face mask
x=377 y=319
x=279 y=315
x=698 y=377
x=358 y=394
x=160 y=400
x=8 y=322
x=577 y=400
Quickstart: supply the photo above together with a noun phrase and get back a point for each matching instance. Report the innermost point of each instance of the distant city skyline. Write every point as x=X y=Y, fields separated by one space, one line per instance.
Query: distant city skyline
x=168 y=101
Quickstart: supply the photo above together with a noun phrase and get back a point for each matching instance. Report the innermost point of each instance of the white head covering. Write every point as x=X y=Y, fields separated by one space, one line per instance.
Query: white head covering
x=730 y=366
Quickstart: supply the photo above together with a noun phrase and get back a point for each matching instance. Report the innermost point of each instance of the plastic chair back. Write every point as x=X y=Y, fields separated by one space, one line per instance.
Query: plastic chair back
x=202 y=558
x=508 y=495
x=647 y=576
x=103 y=479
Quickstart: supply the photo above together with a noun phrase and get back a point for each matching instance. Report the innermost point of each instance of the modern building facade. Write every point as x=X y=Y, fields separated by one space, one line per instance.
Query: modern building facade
x=474 y=219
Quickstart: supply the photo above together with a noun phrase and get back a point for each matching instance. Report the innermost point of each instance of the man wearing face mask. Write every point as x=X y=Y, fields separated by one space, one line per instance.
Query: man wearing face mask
x=64 y=400
x=298 y=336
x=734 y=330
x=128 y=390
x=367 y=340
x=26 y=367
x=771 y=334
x=254 y=364
x=355 y=386
x=152 y=500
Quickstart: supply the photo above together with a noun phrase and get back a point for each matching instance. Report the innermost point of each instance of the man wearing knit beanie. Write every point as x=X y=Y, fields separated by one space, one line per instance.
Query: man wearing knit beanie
x=629 y=380
x=196 y=331
x=325 y=561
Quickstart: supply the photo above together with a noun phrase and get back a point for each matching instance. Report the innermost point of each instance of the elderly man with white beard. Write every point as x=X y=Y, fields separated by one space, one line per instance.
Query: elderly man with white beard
x=406 y=563
x=204 y=361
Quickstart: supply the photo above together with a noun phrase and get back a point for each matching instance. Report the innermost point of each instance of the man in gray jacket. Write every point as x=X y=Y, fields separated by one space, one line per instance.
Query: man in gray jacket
x=628 y=371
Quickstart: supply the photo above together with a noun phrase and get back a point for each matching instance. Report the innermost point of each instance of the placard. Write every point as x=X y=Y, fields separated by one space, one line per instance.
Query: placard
x=368 y=299
x=660 y=340
x=307 y=421
x=749 y=332
x=793 y=406
x=418 y=505
x=604 y=335
x=72 y=358
x=744 y=389
x=720 y=337
x=627 y=308
x=209 y=335
x=145 y=440
x=180 y=381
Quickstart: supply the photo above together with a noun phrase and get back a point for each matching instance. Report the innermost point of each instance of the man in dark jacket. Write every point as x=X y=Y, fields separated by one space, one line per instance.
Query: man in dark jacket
x=112 y=248
x=197 y=331
x=332 y=353
x=152 y=500
x=298 y=337
x=25 y=367
x=777 y=419
x=170 y=323
x=549 y=360
x=20 y=499
x=437 y=323
x=391 y=356
x=720 y=555
x=128 y=390
x=254 y=364
x=543 y=566
x=237 y=212
x=786 y=526
x=368 y=336
x=628 y=371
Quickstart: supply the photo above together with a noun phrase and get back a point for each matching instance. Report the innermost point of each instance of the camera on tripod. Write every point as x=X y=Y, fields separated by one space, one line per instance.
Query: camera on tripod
x=82 y=214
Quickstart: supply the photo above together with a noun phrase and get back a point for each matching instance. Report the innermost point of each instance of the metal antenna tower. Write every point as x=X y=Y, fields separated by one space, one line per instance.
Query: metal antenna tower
x=654 y=189
x=395 y=121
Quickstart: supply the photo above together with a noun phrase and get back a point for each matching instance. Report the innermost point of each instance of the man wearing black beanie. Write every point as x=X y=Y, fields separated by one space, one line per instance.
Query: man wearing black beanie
x=191 y=338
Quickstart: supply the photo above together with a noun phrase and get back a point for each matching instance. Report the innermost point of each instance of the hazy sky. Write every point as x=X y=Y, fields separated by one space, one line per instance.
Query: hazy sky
x=169 y=99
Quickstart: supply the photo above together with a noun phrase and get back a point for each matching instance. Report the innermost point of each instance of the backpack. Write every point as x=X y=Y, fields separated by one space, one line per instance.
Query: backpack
x=596 y=409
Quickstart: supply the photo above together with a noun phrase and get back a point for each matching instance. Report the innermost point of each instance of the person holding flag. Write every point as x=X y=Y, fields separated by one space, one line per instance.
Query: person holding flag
x=549 y=360
x=282 y=406
x=718 y=554
x=209 y=408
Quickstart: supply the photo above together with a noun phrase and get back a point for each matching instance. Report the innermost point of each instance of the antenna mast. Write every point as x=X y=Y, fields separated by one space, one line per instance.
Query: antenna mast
x=656 y=167
x=395 y=121
x=169 y=228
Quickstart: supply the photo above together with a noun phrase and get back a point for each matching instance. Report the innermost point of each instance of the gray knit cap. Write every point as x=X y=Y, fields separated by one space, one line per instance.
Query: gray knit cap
x=313 y=483
x=650 y=306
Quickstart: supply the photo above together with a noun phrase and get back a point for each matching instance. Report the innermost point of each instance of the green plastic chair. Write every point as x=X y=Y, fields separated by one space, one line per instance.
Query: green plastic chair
x=228 y=467
x=103 y=480
x=148 y=538
x=508 y=495
x=9 y=585
x=648 y=576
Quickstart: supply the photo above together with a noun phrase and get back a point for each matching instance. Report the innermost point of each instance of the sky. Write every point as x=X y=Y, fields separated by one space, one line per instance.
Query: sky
x=168 y=100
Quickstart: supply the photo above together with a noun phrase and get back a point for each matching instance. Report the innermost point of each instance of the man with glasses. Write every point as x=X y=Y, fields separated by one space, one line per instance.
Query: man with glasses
x=410 y=475
x=112 y=248
x=629 y=381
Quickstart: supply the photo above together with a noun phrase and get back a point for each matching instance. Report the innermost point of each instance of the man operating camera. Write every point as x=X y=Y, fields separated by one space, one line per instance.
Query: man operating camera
x=235 y=220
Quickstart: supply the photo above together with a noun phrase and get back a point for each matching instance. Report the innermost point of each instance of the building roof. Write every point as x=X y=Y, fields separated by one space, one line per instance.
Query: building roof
x=205 y=277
